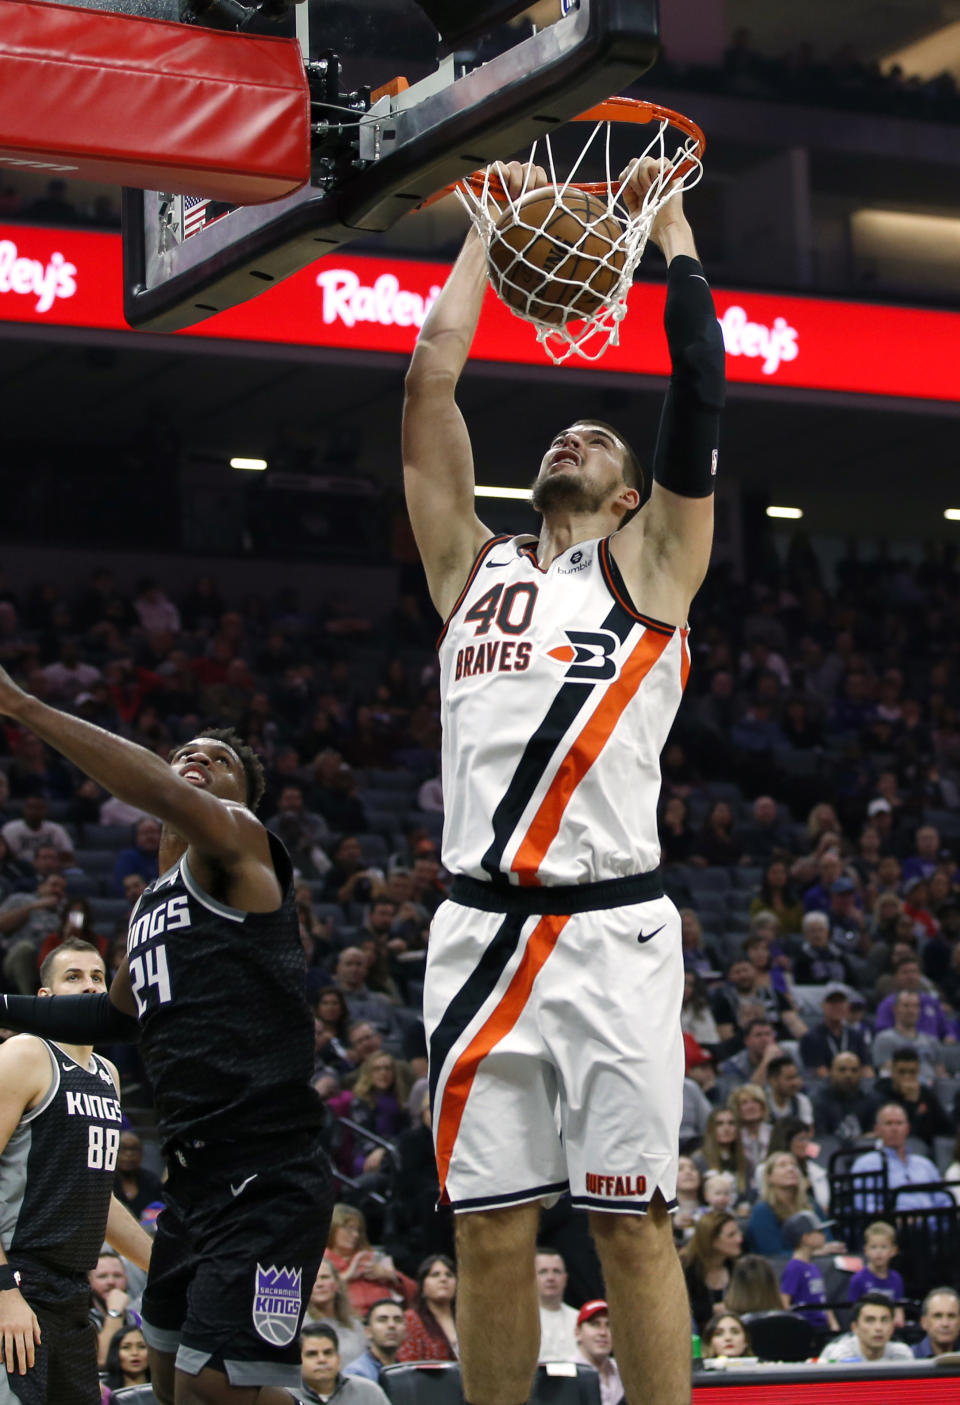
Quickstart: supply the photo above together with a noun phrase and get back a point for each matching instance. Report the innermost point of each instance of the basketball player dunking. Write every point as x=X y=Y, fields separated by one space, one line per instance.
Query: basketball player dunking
x=214 y=974
x=555 y=974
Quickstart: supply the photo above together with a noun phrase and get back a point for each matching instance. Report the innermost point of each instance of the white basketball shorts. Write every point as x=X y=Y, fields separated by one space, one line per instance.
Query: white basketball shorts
x=556 y=1053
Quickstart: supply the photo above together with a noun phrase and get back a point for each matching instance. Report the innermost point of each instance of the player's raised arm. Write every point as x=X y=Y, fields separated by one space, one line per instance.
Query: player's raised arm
x=675 y=528
x=437 y=457
x=137 y=776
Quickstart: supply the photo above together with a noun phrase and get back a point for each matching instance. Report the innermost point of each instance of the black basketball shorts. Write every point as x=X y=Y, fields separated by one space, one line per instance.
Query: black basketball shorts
x=237 y=1249
x=65 y=1365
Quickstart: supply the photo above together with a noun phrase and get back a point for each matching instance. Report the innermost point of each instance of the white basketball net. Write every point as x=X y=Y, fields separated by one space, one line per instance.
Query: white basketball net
x=587 y=337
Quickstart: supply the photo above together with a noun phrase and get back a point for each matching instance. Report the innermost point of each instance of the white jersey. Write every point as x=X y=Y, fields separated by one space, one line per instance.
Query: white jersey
x=557 y=698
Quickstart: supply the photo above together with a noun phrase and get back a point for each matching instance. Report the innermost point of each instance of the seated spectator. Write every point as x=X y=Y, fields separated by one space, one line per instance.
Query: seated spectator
x=367 y=1274
x=379 y=1105
x=558 y=1320
x=332 y=1040
x=719 y=1190
x=783 y=1192
x=716 y=843
x=421 y=1225
x=876 y=1276
x=905 y=1034
x=69 y=674
x=126 y=1363
x=305 y=834
x=940 y=1319
x=350 y=879
x=26 y=835
x=16 y=875
x=777 y=895
x=848 y=926
x=30 y=917
x=829 y=867
x=133 y=1185
x=801 y=1282
x=386 y=1329
x=793 y=1134
x=142 y=858
x=595 y=1348
x=334 y=794
x=832 y=1036
x=771 y=985
x=429 y=888
x=748 y=1104
x=752 y=1063
x=722 y=1150
x=932 y=1019
x=903 y=1167
x=676 y=836
x=689 y=1200
x=329 y=1306
x=819 y=961
x=842 y=1109
x=708 y=1260
x=753 y=1286
x=76 y=921
x=696 y=1016
x=321 y=1372
x=870 y=1336
x=431 y=1323
x=952 y=1172
x=922 y=863
x=362 y=1002
x=926 y=1113
x=725 y=1335
x=766 y=838
x=744 y=996
x=697 y=954
x=784 y=1090
x=110 y=1309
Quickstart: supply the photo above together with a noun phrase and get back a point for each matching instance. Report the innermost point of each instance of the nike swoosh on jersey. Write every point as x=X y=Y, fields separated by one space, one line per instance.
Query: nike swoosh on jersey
x=67 y=1067
x=648 y=936
x=236 y=1189
x=493 y=565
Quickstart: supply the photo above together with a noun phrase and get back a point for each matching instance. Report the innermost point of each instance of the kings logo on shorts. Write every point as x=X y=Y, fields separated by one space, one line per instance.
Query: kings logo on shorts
x=277 y=1303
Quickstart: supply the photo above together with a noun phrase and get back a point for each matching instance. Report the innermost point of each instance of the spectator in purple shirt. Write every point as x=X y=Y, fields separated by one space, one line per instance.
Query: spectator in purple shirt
x=932 y=1019
x=876 y=1276
x=923 y=863
x=801 y=1282
x=379 y=1105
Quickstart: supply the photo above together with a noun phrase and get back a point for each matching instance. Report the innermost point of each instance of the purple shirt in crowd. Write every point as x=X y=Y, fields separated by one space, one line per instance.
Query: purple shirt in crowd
x=803 y=1283
x=932 y=1019
x=866 y=1281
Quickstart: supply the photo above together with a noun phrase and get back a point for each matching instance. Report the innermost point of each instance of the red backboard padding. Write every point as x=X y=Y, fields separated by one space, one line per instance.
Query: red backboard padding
x=88 y=94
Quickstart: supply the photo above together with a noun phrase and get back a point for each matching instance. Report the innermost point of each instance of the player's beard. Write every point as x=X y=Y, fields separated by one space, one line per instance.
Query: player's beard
x=566 y=492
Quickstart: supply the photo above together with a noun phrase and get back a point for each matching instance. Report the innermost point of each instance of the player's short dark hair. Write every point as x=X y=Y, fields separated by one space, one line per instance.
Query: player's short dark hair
x=320 y=1329
x=632 y=469
x=905 y=1055
x=872 y=1300
x=778 y=1064
x=381 y=1302
x=68 y=944
x=550 y=1252
x=252 y=765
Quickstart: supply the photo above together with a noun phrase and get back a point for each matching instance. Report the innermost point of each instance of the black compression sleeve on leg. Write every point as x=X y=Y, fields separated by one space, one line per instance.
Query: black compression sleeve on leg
x=73 y=1019
x=685 y=459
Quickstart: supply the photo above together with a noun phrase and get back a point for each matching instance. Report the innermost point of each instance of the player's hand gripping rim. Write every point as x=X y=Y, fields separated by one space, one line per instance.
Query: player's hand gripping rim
x=513 y=179
x=21 y=1332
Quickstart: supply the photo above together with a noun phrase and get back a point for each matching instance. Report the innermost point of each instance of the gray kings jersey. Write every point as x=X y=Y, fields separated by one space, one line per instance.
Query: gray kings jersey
x=57 y=1170
x=226 y=1031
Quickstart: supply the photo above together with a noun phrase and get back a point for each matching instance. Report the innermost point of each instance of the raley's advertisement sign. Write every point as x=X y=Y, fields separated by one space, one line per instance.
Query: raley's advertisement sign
x=820 y=1389
x=73 y=278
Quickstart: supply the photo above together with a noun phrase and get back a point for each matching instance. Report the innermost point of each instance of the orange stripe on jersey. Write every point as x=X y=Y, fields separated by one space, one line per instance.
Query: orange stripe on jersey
x=540 y=944
x=684 y=659
x=585 y=749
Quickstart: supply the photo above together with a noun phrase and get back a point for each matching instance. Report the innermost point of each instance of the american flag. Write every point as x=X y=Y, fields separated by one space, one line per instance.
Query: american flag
x=194 y=214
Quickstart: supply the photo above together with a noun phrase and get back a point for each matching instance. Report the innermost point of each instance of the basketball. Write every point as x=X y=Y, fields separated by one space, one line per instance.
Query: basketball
x=556 y=262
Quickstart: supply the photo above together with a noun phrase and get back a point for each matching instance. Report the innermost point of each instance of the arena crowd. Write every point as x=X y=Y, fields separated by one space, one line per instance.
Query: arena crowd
x=810 y=819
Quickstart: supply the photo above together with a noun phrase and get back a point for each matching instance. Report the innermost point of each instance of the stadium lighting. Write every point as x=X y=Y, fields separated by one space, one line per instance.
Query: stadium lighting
x=481 y=491
x=952 y=514
x=251 y=465
x=792 y=512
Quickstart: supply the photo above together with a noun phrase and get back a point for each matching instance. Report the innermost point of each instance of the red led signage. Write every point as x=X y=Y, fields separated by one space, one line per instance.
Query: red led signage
x=820 y=1390
x=73 y=278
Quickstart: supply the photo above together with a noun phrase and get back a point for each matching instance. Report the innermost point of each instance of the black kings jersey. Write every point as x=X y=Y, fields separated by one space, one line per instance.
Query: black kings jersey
x=227 y=1035
x=57 y=1169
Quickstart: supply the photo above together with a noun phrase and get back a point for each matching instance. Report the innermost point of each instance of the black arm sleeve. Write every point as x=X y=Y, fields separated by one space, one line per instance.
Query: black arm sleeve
x=685 y=459
x=74 y=1019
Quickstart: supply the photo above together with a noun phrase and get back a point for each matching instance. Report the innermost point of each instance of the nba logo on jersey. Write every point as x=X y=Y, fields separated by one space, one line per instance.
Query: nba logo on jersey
x=276 y=1304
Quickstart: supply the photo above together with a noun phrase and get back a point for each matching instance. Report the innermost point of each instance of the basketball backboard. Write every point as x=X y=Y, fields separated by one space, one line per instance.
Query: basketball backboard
x=377 y=155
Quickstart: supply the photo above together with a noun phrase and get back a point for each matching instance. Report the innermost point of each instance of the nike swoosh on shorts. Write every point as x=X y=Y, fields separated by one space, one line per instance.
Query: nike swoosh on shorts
x=236 y=1189
x=648 y=936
